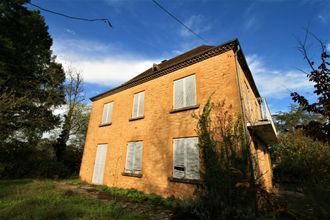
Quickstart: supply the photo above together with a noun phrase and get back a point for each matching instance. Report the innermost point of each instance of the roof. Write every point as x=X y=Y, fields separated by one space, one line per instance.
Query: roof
x=195 y=55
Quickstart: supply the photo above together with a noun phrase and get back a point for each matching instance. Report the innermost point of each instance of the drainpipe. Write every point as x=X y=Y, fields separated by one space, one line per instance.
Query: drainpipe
x=247 y=136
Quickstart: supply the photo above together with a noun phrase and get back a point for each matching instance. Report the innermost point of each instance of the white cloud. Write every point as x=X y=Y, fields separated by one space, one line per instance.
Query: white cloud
x=70 y=31
x=98 y=62
x=328 y=47
x=197 y=23
x=275 y=83
x=250 y=22
x=323 y=18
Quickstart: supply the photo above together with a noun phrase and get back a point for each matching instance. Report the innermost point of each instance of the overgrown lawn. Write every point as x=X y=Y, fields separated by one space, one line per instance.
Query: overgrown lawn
x=39 y=199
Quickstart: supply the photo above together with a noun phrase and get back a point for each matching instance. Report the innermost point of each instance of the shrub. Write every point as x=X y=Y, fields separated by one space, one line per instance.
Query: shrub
x=300 y=159
x=225 y=167
x=21 y=160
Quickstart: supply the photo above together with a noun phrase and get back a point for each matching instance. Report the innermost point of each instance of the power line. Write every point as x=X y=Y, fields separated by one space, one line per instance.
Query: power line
x=105 y=20
x=177 y=19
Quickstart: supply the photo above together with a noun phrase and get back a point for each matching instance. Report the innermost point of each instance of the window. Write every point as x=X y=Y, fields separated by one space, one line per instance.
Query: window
x=184 y=94
x=134 y=157
x=107 y=113
x=138 y=105
x=186 y=158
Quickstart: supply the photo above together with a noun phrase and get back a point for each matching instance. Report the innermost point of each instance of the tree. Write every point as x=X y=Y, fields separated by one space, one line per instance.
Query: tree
x=31 y=82
x=76 y=118
x=320 y=77
x=294 y=119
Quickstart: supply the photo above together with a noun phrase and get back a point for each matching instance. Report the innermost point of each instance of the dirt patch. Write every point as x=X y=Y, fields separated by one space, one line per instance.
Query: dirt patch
x=152 y=211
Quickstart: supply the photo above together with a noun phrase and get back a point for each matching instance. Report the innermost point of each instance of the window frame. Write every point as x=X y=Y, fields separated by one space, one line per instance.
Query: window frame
x=185 y=106
x=132 y=171
x=185 y=158
x=136 y=98
x=109 y=120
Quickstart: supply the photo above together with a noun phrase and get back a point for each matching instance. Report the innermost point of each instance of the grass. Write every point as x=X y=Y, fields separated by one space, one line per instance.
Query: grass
x=131 y=194
x=39 y=199
x=137 y=196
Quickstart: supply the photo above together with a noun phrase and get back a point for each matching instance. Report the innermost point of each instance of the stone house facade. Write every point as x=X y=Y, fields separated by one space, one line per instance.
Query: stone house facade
x=142 y=134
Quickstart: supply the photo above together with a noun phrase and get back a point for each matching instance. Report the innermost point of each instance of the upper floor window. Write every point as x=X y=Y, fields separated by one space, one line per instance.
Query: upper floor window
x=134 y=157
x=184 y=94
x=107 y=113
x=138 y=105
x=186 y=158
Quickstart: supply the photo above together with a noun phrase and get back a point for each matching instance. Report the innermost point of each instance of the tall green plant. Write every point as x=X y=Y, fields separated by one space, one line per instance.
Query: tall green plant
x=225 y=192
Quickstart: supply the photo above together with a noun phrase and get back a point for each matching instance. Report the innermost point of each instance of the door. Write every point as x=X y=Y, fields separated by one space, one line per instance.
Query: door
x=99 y=164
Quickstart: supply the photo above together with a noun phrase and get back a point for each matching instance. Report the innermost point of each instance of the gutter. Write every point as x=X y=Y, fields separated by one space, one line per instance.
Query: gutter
x=247 y=134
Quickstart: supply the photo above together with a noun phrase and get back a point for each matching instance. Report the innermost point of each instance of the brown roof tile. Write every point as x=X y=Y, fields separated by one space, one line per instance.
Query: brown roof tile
x=193 y=56
x=170 y=62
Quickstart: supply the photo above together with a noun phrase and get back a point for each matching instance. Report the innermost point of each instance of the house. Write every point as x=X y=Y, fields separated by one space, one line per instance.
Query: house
x=142 y=135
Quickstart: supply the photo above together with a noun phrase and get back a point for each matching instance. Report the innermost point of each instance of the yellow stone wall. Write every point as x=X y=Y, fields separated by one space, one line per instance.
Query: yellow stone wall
x=259 y=150
x=216 y=75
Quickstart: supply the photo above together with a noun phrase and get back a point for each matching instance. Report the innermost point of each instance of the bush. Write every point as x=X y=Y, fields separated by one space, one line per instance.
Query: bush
x=225 y=167
x=299 y=159
x=21 y=160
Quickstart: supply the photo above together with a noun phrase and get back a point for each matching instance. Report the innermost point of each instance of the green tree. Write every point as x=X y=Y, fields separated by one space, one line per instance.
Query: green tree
x=76 y=117
x=294 y=119
x=31 y=82
x=320 y=77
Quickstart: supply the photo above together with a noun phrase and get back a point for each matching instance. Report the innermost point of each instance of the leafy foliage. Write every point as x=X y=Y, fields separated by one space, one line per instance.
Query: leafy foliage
x=296 y=118
x=300 y=159
x=31 y=87
x=31 y=82
x=76 y=118
x=226 y=191
x=320 y=76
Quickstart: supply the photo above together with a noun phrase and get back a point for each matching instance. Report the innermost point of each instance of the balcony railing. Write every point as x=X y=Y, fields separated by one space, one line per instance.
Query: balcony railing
x=265 y=112
x=261 y=121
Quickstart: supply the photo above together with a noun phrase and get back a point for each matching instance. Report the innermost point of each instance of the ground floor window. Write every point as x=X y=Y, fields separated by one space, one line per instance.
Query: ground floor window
x=186 y=158
x=134 y=157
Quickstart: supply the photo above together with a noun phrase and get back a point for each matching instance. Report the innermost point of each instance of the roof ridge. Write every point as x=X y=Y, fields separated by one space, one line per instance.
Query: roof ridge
x=176 y=65
x=165 y=62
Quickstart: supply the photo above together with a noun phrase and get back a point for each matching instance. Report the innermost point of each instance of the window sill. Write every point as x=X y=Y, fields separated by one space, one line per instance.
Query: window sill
x=132 y=174
x=173 y=179
x=137 y=118
x=184 y=108
x=103 y=125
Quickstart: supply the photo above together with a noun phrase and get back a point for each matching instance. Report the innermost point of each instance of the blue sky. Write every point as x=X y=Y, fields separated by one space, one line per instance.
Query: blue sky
x=142 y=34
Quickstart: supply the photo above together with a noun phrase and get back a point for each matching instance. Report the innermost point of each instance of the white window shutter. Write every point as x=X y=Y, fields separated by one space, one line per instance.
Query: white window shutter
x=99 y=165
x=141 y=104
x=192 y=158
x=129 y=157
x=178 y=94
x=138 y=157
x=190 y=90
x=135 y=106
x=178 y=158
x=110 y=108
x=105 y=113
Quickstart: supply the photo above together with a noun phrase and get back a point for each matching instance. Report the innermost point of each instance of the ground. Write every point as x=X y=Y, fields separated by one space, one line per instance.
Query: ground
x=306 y=202
x=46 y=199
x=72 y=199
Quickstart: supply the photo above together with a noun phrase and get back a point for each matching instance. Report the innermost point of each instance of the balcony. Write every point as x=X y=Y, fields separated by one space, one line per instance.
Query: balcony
x=261 y=123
